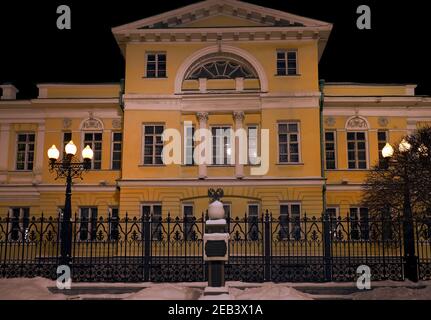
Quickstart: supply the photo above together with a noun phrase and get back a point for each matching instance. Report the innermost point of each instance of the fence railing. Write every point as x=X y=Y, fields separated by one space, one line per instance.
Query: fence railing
x=265 y=248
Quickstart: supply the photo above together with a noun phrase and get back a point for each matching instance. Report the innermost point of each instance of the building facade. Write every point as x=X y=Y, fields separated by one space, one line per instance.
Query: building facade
x=213 y=65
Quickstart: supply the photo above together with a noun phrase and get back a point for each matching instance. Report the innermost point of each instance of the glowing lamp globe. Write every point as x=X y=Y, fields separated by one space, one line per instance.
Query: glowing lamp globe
x=53 y=153
x=87 y=153
x=70 y=148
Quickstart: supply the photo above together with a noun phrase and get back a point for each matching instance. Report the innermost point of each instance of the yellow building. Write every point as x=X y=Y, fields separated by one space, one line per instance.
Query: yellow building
x=216 y=65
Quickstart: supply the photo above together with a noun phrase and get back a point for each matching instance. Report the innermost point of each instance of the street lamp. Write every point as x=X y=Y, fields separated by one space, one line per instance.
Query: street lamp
x=69 y=167
x=411 y=267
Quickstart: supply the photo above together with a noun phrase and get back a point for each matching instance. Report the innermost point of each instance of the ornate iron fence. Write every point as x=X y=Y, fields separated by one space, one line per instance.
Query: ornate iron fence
x=170 y=249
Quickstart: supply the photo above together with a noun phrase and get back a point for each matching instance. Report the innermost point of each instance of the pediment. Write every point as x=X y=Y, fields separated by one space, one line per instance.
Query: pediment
x=220 y=13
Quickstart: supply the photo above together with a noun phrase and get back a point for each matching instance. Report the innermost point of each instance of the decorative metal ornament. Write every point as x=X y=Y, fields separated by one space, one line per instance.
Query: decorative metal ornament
x=215 y=195
x=357 y=123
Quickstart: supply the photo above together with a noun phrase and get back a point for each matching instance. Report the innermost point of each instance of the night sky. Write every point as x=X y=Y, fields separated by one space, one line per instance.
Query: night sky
x=33 y=50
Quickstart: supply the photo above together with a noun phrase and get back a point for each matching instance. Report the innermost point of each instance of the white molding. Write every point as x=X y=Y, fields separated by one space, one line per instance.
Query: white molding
x=345 y=187
x=182 y=70
x=226 y=181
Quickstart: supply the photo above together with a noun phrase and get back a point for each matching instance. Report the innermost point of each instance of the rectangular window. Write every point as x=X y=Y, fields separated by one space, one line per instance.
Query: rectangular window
x=253 y=222
x=359 y=223
x=114 y=223
x=188 y=221
x=290 y=226
x=67 y=136
x=252 y=136
x=288 y=142
x=154 y=211
x=20 y=220
x=189 y=145
x=287 y=62
x=153 y=144
x=333 y=216
x=221 y=145
x=330 y=150
x=88 y=223
x=25 y=151
x=117 y=139
x=382 y=138
x=156 y=65
x=94 y=140
x=357 y=150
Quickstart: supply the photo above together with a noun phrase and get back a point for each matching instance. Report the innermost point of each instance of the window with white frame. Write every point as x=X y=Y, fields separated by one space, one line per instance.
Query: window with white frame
x=221 y=145
x=188 y=221
x=156 y=65
x=288 y=142
x=252 y=136
x=20 y=220
x=287 y=63
x=87 y=223
x=114 y=223
x=382 y=139
x=25 y=151
x=253 y=221
x=94 y=140
x=189 y=146
x=359 y=223
x=357 y=149
x=330 y=150
x=117 y=140
x=154 y=212
x=333 y=216
x=153 y=144
x=290 y=226
x=67 y=136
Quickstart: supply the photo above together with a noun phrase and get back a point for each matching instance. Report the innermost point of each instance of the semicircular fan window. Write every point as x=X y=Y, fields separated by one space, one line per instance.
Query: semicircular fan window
x=221 y=69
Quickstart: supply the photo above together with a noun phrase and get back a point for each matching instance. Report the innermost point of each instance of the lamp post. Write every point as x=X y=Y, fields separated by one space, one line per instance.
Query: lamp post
x=411 y=266
x=69 y=167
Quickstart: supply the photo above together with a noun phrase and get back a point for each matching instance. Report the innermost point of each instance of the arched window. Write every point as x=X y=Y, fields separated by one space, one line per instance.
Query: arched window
x=221 y=71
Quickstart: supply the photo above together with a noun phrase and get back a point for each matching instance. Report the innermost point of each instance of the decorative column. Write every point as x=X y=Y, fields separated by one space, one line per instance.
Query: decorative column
x=40 y=146
x=239 y=167
x=4 y=155
x=203 y=121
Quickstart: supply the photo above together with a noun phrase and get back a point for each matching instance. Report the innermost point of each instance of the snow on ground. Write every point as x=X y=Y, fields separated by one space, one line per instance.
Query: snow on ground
x=38 y=289
x=28 y=289
x=391 y=293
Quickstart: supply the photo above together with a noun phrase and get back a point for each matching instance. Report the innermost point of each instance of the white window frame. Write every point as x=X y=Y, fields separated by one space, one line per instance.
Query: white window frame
x=298 y=123
x=358 y=220
x=257 y=144
x=185 y=146
x=26 y=151
x=153 y=145
x=156 y=70
x=229 y=159
x=367 y=150
x=89 y=223
x=380 y=156
x=289 y=204
x=83 y=144
x=335 y=149
x=63 y=142
x=153 y=224
x=286 y=61
x=112 y=149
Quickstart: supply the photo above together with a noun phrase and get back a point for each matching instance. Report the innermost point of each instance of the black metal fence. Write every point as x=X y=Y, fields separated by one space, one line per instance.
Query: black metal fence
x=170 y=249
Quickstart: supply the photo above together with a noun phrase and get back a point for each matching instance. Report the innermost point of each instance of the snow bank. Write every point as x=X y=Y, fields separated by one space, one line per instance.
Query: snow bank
x=166 y=291
x=28 y=289
x=269 y=292
x=399 y=293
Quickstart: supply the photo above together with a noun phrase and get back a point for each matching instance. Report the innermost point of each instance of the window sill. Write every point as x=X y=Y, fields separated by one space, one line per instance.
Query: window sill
x=290 y=164
x=335 y=170
x=144 y=77
x=220 y=165
x=288 y=75
x=151 y=165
